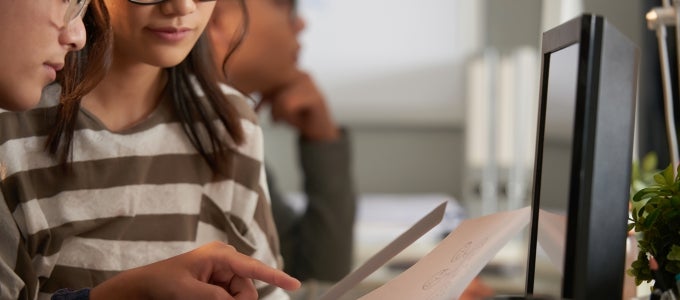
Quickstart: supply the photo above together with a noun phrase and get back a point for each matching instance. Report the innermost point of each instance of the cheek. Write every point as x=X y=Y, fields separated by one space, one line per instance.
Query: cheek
x=262 y=43
x=20 y=92
x=24 y=51
x=205 y=10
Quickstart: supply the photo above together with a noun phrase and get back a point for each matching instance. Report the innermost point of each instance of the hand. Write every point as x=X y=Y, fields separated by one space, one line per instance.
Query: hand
x=213 y=271
x=301 y=104
x=476 y=290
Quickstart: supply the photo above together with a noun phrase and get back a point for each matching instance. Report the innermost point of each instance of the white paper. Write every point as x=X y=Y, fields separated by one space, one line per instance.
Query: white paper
x=450 y=267
x=376 y=261
x=552 y=233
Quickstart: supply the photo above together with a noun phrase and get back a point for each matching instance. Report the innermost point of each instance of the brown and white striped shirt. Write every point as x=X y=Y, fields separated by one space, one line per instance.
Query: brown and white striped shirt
x=131 y=198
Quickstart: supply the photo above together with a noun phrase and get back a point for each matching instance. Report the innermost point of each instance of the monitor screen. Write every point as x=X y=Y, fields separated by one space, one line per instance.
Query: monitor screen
x=583 y=157
x=560 y=108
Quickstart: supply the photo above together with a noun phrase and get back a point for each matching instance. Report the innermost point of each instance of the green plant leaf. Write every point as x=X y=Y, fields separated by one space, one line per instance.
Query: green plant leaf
x=640 y=269
x=675 y=201
x=641 y=213
x=672 y=214
x=655 y=217
x=669 y=175
x=660 y=179
x=651 y=218
x=674 y=254
x=646 y=193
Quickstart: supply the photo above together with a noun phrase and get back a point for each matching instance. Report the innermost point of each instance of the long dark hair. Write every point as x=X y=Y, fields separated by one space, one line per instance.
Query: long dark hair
x=85 y=69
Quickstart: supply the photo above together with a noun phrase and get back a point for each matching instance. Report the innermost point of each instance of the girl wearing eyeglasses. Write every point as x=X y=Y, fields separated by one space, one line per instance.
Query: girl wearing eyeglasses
x=35 y=37
x=145 y=159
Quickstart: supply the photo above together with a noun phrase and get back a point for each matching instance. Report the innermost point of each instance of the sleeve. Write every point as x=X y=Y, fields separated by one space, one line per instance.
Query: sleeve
x=285 y=217
x=66 y=294
x=17 y=280
x=323 y=236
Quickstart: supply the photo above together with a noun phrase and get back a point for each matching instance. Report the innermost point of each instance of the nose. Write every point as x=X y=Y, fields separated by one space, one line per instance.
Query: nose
x=178 y=7
x=73 y=35
x=298 y=24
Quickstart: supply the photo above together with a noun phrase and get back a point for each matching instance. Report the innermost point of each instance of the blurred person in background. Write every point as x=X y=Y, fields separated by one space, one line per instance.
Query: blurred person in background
x=317 y=244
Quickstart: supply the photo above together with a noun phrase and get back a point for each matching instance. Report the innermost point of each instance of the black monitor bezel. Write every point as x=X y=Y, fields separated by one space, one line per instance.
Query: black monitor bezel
x=588 y=31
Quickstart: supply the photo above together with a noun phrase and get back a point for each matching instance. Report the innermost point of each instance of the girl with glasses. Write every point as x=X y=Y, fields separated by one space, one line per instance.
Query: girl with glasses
x=35 y=37
x=145 y=159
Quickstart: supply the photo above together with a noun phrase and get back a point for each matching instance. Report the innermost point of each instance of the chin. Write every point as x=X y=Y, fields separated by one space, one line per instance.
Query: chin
x=22 y=96
x=21 y=102
x=166 y=63
x=168 y=59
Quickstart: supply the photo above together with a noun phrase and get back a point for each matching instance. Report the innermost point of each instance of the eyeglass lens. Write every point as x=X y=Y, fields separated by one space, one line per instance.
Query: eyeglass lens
x=75 y=9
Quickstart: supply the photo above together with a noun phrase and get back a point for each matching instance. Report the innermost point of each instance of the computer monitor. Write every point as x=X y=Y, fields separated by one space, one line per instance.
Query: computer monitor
x=579 y=211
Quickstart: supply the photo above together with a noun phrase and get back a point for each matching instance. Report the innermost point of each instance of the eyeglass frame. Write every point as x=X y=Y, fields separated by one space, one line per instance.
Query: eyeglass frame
x=75 y=9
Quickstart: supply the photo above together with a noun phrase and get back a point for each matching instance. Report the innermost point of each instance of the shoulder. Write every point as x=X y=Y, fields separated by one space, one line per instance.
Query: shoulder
x=254 y=140
x=241 y=103
x=31 y=123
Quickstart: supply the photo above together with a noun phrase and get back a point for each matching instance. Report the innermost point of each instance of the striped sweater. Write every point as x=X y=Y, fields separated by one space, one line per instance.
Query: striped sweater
x=131 y=198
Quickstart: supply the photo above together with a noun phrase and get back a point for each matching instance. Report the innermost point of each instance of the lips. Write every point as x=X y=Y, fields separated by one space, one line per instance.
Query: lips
x=170 y=34
x=52 y=69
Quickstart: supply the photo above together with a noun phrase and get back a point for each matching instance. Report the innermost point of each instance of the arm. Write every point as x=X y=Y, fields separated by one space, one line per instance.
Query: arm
x=301 y=105
x=17 y=278
x=213 y=271
x=317 y=245
x=326 y=229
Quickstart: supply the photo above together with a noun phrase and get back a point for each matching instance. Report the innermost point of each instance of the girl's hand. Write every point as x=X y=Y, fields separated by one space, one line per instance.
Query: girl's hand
x=213 y=271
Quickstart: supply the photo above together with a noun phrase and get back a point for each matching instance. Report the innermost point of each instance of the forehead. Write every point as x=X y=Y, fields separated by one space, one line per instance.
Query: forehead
x=34 y=4
x=14 y=13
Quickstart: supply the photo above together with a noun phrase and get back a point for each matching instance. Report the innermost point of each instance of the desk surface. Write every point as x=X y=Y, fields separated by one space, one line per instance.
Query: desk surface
x=381 y=218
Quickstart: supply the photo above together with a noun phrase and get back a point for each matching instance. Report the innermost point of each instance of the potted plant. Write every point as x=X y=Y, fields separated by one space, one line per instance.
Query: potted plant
x=655 y=218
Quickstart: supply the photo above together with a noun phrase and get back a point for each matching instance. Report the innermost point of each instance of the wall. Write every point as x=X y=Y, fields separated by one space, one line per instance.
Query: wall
x=416 y=158
x=513 y=24
x=627 y=16
x=386 y=159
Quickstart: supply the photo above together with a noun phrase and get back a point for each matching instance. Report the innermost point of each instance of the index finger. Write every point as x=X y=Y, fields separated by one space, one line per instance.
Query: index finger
x=248 y=267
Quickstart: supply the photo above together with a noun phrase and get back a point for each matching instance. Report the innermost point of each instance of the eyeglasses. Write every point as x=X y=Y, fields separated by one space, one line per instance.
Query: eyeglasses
x=151 y=2
x=75 y=9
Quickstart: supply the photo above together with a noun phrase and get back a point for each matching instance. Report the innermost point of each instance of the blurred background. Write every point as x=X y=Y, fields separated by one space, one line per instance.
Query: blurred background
x=440 y=98
x=401 y=75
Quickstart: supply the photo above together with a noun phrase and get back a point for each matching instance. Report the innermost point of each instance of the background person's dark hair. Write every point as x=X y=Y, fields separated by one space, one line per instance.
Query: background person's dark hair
x=85 y=69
